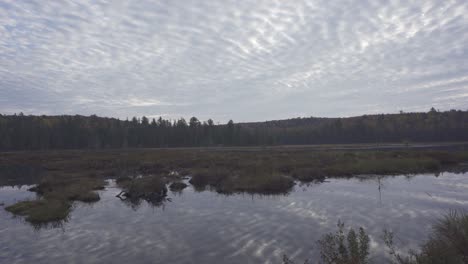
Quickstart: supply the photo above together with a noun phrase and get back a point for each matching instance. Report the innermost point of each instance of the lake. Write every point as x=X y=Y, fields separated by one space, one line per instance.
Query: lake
x=206 y=227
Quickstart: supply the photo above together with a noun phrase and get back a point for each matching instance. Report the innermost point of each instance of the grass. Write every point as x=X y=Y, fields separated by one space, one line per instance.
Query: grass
x=249 y=182
x=249 y=179
x=150 y=188
x=162 y=161
x=71 y=188
x=74 y=175
x=41 y=211
x=57 y=195
x=308 y=174
x=177 y=186
x=303 y=164
x=386 y=166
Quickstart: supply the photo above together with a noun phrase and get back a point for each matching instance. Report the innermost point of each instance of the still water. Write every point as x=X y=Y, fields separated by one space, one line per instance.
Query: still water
x=206 y=227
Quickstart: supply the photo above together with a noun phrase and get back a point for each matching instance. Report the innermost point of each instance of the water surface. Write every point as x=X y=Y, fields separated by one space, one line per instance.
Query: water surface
x=206 y=227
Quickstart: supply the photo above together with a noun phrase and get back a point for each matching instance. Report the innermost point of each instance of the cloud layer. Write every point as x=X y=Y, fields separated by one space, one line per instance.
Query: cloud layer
x=247 y=60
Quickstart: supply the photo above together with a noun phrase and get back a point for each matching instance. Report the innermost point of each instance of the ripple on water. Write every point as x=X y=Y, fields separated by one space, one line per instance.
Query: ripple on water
x=208 y=228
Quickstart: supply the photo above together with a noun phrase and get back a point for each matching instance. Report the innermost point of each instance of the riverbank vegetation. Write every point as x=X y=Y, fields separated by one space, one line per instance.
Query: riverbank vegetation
x=447 y=243
x=211 y=166
x=238 y=170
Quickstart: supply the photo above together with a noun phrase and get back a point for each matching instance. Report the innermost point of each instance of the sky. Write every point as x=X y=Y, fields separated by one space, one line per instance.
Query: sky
x=246 y=60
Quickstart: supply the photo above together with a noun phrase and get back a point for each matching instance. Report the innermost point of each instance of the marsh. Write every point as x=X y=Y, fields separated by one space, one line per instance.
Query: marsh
x=233 y=131
x=200 y=206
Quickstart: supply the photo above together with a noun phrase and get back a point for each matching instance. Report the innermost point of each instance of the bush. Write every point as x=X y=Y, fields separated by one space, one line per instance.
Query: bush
x=339 y=248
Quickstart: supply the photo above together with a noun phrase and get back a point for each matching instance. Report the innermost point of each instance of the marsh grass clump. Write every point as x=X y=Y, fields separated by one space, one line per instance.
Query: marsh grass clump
x=86 y=197
x=123 y=180
x=262 y=184
x=150 y=188
x=308 y=174
x=41 y=211
x=57 y=195
x=212 y=176
x=383 y=166
x=19 y=174
x=250 y=178
x=448 y=158
x=69 y=188
x=177 y=186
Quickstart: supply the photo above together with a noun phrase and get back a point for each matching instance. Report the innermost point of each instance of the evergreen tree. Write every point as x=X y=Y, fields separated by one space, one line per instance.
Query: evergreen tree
x=22 y=132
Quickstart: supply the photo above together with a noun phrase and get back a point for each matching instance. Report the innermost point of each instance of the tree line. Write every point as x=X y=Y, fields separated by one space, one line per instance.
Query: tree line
x=28 y=132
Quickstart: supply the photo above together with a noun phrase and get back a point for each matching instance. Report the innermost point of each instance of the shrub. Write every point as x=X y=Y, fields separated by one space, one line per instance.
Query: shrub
x=339 y=248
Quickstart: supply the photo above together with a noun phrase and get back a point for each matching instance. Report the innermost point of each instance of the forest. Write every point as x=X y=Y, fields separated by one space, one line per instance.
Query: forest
x=29 y=132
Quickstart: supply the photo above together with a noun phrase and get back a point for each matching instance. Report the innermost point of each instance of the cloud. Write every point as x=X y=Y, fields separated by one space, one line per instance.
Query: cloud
x=246 y=60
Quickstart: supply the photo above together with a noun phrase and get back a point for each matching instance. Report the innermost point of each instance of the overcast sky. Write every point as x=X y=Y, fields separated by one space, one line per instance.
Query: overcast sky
x=246 y=60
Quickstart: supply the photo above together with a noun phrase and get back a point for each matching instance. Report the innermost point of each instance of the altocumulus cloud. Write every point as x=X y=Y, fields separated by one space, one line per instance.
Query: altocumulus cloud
x=246 y=60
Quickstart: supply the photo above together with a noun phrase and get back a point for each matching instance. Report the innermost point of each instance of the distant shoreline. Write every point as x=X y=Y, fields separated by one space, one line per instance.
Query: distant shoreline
x=337 y=147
